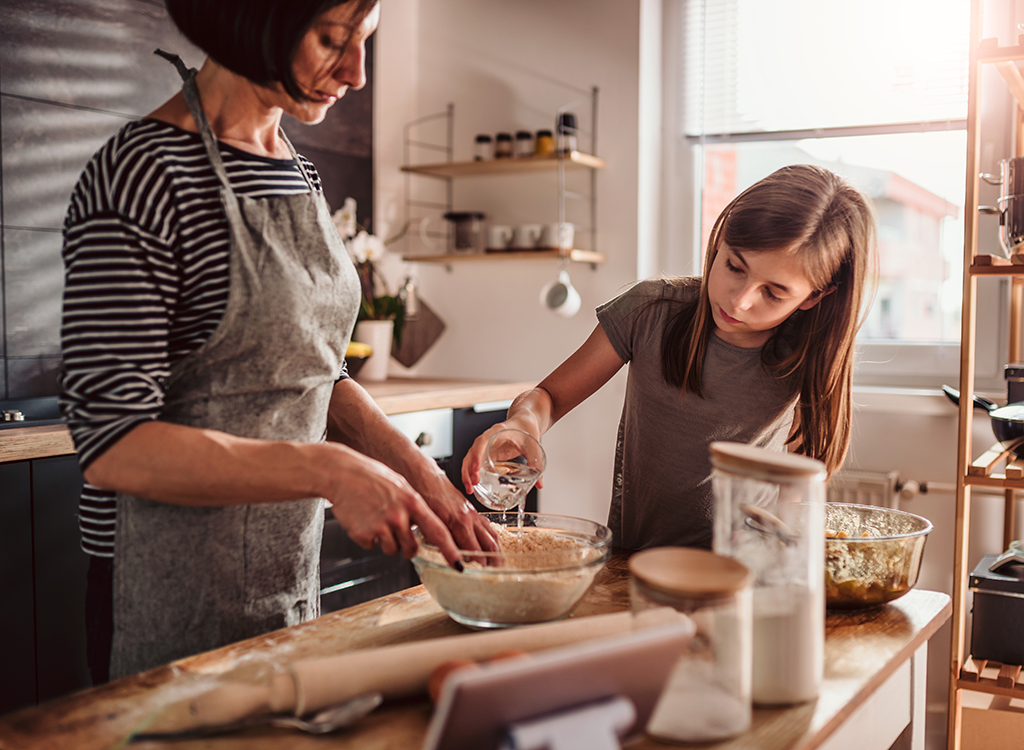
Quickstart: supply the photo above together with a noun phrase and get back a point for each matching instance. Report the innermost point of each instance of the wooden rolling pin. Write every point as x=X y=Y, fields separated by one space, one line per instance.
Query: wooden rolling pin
x=399 y=670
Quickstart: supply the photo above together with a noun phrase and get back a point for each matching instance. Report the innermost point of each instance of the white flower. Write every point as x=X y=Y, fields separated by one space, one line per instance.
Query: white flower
x=357 y=247
x=374 y=247
x=345 y=219
x=365 y=247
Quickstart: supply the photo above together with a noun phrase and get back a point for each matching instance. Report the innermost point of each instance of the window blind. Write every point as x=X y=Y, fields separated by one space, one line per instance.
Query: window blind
x=752 y=66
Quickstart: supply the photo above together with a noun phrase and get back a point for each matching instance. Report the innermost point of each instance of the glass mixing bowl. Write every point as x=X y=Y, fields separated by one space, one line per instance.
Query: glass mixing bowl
x=872 y=554
x=537 y=576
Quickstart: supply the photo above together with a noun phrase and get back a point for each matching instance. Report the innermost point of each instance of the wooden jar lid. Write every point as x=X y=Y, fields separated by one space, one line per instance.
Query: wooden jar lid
x=694 y=573
x=761 y=462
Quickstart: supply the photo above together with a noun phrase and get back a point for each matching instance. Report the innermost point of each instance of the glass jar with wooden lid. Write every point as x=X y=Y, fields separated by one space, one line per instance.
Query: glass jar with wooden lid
x=707 y=696
x=770 y=515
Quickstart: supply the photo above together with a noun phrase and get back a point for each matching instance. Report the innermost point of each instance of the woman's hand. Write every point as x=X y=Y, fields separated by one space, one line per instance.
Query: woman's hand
x=470 y=530
x=377 y=506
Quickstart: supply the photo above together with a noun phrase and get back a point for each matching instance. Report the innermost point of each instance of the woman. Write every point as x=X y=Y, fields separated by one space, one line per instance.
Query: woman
x=209 y=301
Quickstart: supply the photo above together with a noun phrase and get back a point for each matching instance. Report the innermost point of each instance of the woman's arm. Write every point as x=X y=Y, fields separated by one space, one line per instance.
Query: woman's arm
x=355 y=419
x=193 y=466
x=536 y=410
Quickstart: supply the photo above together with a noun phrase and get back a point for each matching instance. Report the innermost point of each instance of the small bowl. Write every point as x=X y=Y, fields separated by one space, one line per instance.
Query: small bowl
x=539 y=579
x=879 y=558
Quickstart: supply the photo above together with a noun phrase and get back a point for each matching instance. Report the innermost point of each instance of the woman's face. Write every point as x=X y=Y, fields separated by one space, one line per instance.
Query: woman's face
x=330 y=60
x=752 y=292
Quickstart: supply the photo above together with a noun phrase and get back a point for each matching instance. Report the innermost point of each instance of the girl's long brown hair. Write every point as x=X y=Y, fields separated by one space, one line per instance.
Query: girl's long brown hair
x=830 y=227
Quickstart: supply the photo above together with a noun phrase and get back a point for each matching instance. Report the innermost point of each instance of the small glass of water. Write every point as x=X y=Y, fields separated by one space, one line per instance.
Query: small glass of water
x=513 y=463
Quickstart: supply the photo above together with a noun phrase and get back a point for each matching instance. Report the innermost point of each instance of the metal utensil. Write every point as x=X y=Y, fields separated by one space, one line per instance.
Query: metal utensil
x=330 y=719
x=768 y=524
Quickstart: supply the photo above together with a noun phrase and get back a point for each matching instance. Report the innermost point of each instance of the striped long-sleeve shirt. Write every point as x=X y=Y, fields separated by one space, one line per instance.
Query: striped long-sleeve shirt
x=146 y=250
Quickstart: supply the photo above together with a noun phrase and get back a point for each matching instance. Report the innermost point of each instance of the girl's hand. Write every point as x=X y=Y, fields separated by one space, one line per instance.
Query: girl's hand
x=474 y=459
x=377 y=506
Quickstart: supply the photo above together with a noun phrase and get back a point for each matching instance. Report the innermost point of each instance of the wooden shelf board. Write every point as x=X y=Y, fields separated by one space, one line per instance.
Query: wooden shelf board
x=995 y=265
x=992 y=53
x=999 y=481
x=991 y=677
x=983 y=465
x=578 y=256
x=575 y=160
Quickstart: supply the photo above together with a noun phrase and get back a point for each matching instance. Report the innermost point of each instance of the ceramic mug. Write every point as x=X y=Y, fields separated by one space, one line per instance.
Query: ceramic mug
x=560 y=297
x=525 y=236
x=557 y=235
x=498 y=237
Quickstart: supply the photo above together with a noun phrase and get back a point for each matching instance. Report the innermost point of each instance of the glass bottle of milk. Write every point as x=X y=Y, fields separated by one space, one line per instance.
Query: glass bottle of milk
x=770 y=515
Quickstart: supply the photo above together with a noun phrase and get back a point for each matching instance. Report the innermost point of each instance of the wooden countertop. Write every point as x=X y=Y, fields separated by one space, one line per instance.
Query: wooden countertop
x=862 y=650
x=403 y=395
x=394 y=396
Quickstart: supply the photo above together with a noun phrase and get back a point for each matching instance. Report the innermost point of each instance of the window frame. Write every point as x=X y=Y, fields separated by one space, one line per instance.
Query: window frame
x=880 y=363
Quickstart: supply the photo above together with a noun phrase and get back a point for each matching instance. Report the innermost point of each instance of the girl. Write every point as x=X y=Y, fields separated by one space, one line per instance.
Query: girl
x=758 y=351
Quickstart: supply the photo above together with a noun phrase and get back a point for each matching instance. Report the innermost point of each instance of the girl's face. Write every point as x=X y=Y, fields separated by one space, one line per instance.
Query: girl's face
x=331 y=59
x=752 y=292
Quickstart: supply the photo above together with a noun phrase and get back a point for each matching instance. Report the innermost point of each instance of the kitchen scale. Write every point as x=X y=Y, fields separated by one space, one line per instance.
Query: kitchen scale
x=587 y=696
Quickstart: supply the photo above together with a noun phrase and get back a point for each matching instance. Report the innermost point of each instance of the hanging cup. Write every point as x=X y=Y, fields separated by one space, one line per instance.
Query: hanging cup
x=560 y=297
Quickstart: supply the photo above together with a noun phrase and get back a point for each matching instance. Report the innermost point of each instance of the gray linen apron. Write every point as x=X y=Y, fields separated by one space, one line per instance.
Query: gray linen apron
x=188 y=579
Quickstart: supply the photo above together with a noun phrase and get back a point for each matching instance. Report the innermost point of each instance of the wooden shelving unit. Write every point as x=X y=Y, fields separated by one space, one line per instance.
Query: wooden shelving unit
x=994 y=466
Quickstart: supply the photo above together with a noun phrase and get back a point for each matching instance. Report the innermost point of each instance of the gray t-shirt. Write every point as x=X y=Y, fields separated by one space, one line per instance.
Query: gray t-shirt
x=662 y=492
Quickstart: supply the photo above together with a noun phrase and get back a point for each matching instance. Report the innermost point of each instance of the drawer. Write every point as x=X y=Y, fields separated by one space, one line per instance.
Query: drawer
x=431 y=430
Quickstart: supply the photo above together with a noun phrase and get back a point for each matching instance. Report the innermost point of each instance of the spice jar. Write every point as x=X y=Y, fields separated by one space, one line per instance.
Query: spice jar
x=545 y=143
x=503 y=146
x=524 y=143
x=770 y=515
x=566 y=133
x=707 y=696
x=483 y=148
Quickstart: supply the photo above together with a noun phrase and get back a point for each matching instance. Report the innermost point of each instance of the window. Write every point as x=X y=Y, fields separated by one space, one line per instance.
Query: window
x=875 y=91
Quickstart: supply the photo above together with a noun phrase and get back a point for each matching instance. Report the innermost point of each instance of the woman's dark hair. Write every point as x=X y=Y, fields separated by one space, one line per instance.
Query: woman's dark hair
x=256 y=39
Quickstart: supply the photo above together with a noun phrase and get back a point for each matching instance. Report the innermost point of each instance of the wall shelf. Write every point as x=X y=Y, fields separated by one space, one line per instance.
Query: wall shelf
x=574 y=159
x=576 y=256
x=425 y=206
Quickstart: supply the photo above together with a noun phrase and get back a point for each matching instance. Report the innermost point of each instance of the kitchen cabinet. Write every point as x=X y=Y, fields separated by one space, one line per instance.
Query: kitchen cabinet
x=17 y=646
x=42 y=594
x=560 y=163
x=987 y=466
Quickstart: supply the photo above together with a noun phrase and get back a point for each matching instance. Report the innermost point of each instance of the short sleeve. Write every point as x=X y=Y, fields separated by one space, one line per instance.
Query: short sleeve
x=625 y=318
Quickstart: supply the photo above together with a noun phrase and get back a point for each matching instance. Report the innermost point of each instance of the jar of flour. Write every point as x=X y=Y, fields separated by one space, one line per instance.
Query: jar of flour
x=770 y=515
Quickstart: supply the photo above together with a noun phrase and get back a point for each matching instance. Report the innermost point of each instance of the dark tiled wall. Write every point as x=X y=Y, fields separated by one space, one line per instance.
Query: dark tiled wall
x=72 y=72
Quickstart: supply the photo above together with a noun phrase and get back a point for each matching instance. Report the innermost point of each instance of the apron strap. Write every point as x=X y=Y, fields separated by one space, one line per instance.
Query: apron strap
x=188 y=75
x=298 y=161
x=191 y=93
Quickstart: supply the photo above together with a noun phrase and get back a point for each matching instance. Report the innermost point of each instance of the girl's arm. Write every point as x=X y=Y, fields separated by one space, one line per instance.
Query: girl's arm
x=536 y=410
x=184 y=465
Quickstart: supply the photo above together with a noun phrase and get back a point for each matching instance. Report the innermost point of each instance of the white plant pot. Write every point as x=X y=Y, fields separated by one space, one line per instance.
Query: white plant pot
x=377 y=334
